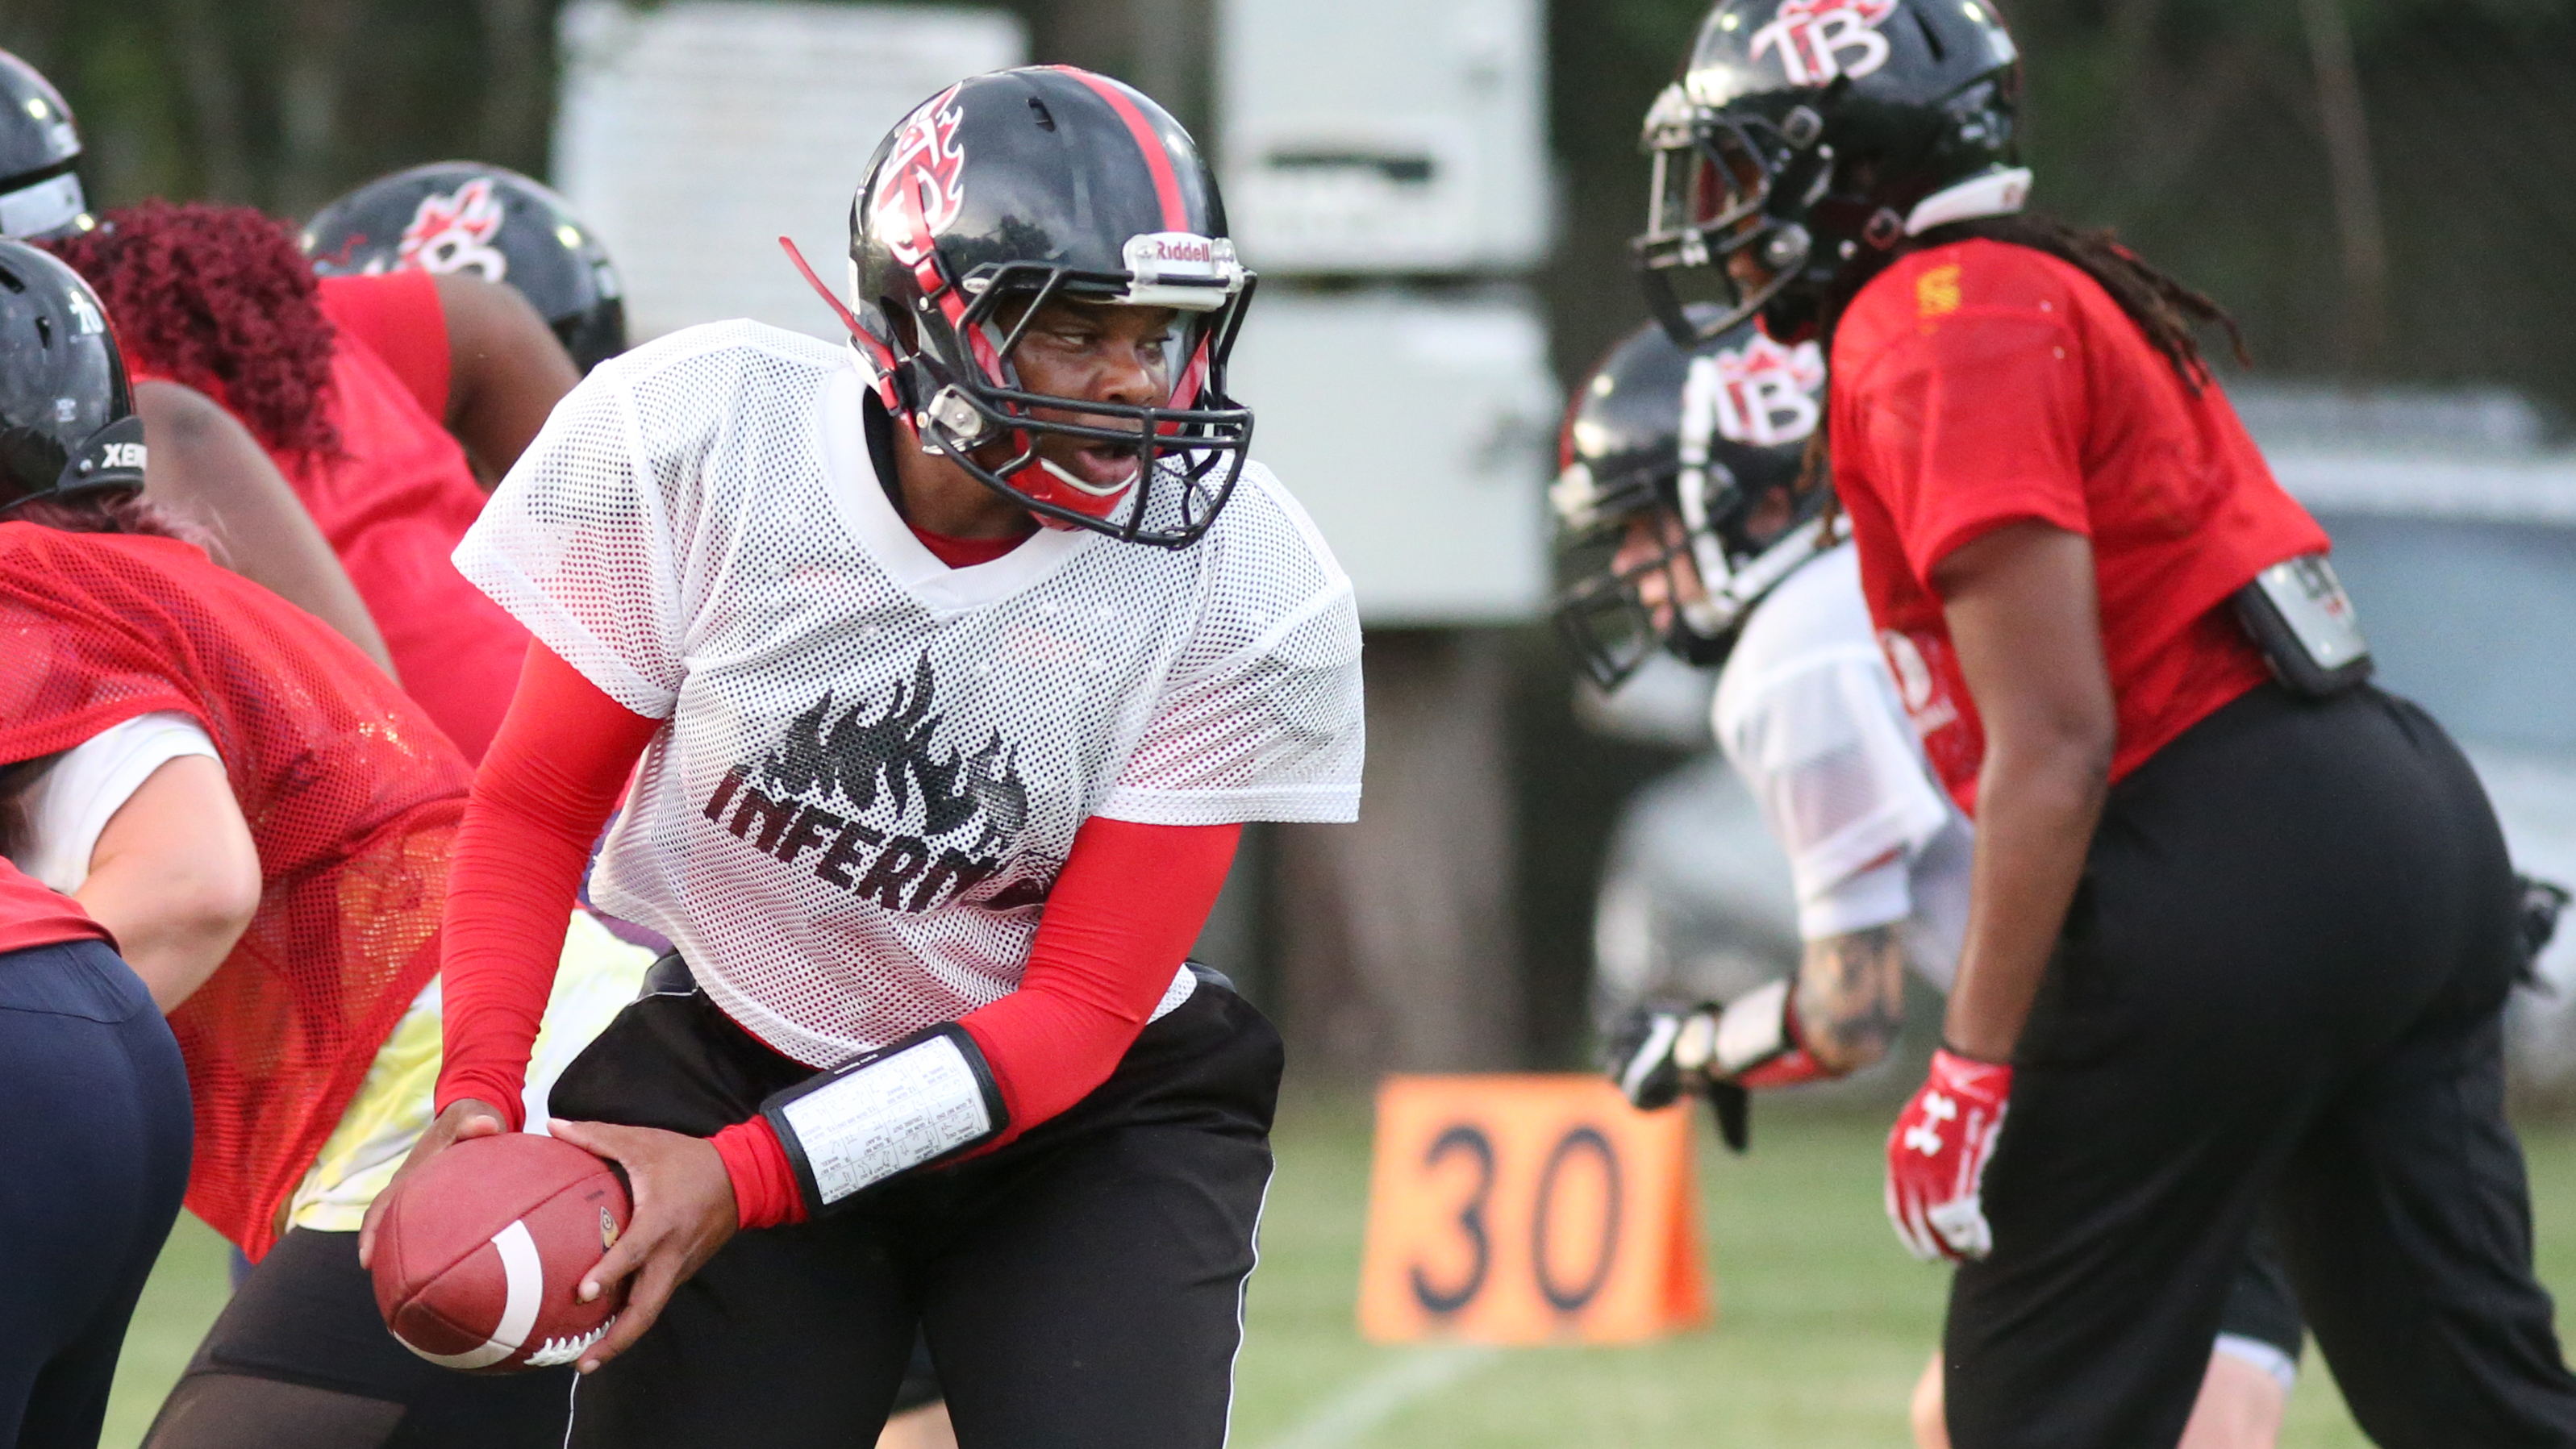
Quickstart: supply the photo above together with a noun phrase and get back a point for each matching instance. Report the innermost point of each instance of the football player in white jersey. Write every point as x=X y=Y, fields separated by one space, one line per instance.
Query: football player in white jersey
x=954 y=661
x=1685 y=468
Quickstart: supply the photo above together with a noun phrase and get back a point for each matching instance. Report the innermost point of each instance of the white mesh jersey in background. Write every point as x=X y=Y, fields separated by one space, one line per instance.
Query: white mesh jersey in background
x=875 y=764
x=1808 y=713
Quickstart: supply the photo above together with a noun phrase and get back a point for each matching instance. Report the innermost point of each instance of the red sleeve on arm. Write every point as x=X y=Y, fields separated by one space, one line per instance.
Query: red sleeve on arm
x=398 y=317
x=552 y=778
x=1128 y=903
x=1126 y=907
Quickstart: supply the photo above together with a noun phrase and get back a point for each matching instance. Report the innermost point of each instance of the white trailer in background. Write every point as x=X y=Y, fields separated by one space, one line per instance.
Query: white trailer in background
x=1386 y=172
x=693 y=135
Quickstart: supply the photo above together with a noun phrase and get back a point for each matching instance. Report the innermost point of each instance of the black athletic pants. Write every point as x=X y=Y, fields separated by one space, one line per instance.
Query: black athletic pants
x=301 y=1359
x=2278 y=993
x=1080 y=1288
x=94 y=1140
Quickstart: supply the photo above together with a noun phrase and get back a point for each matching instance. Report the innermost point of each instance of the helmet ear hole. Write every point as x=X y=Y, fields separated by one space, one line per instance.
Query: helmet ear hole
x=906 y=335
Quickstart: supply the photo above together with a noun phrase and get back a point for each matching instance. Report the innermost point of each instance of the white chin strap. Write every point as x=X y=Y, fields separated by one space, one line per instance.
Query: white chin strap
x=1997 y=193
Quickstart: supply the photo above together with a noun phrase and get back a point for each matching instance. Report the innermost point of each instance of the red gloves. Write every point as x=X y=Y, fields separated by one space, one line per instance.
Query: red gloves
x=1937 y=1155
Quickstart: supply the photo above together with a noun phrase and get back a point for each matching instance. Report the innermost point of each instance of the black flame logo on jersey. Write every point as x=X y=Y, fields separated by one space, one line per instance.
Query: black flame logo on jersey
x=839 y=763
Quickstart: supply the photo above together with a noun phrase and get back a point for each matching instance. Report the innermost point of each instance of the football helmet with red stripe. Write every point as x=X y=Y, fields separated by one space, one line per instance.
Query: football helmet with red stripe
x=1014 y=191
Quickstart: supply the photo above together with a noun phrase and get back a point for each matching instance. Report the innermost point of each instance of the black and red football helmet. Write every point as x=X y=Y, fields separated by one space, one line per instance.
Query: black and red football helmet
x=1012 y=190
x=472 y=216
x=1682 y=467
x=1805 y=134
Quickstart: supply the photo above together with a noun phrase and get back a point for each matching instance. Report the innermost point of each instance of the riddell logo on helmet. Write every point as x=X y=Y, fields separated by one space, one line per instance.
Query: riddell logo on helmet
x=1820 y=40
x=454 y=233
x=1761 y=394
x=922 y=188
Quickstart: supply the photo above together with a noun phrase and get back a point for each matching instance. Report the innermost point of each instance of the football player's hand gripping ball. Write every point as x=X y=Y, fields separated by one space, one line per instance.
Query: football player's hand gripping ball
x=1937 y=1155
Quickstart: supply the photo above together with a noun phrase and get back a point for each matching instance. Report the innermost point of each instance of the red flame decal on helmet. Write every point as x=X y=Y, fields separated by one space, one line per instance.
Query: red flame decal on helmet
x=453 y=232
x=922 y=188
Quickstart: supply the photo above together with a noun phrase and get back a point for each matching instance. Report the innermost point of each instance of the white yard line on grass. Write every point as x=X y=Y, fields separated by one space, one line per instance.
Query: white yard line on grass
x=1349 y=1415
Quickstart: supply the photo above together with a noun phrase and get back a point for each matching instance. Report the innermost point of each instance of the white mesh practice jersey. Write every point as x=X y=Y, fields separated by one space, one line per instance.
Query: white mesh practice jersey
x=1809 y=715
x=875 y=764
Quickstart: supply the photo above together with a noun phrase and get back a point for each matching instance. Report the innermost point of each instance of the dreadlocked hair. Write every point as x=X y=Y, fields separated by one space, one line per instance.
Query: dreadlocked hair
x=218 y=298
x=2167 y=311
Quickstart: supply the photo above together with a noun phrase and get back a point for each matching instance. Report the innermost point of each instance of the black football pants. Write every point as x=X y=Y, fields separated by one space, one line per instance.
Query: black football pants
x=1081 y=1288
x=94 y=1143
x=2278 y=995
x=301 y=1359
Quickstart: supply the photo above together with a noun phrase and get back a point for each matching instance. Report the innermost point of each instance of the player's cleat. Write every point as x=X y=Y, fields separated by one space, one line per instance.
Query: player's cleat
x=480 y=1255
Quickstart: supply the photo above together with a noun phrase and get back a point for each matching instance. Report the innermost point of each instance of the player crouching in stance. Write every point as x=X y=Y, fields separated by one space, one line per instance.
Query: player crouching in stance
x=2240 y=926
x=206 y=468
x=93 y=1095
x=263 y=821
x=1686 y=466
x=953 y=672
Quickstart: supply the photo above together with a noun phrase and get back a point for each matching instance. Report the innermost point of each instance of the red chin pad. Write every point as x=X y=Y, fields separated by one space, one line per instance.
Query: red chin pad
x=1036 y=482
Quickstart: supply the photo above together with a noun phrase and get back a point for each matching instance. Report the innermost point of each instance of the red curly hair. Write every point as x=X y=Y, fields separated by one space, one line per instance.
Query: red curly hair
x=218 y=298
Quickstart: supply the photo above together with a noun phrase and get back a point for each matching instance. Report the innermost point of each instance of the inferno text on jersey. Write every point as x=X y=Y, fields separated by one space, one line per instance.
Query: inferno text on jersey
x=948 y=818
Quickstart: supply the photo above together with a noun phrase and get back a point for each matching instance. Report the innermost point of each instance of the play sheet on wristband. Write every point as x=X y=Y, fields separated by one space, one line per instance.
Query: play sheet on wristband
x=894 y=1114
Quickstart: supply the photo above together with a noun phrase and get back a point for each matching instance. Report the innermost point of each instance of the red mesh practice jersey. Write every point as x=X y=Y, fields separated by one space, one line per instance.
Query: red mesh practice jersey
x=401 y=495
x=351 y=793
x=1981 y=384
x=397 y=506
x=32 y=916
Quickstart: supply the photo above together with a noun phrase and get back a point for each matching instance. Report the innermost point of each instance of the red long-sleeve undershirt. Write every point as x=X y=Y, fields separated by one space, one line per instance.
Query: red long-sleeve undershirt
x=1121 y=916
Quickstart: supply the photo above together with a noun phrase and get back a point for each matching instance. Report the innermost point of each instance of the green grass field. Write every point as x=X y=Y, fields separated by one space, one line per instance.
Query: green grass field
x=1823 y=1321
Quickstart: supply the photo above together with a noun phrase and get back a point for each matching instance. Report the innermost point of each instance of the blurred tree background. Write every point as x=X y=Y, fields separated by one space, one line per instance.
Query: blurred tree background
x=2380 y=190
x=2376 y=188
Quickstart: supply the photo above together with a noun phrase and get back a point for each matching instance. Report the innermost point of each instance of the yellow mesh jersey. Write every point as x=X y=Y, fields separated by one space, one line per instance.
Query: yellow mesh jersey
x=598 y=975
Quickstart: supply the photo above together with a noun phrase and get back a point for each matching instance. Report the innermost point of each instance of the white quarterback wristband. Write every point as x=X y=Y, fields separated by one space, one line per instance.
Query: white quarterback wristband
x=927 y=1097
x=1754 y=1029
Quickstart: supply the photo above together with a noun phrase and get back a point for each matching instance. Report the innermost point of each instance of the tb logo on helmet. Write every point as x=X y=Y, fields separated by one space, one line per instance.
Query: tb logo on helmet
x=454 y=231
x=1761 y=393
x=924 y=185
x=1813 y=36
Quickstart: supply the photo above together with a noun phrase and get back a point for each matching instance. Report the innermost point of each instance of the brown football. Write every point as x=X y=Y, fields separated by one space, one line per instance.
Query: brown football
x=480 y=1254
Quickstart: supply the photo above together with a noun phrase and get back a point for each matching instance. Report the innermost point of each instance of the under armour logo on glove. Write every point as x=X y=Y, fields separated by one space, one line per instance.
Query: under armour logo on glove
x=1935 y=1177
x=1925 y=1136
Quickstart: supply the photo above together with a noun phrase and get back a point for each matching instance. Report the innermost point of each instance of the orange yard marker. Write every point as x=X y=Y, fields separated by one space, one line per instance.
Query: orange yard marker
x=1529 y=1209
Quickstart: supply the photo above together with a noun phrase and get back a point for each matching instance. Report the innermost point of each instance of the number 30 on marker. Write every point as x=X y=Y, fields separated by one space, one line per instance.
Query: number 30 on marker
x=1529 y=1209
